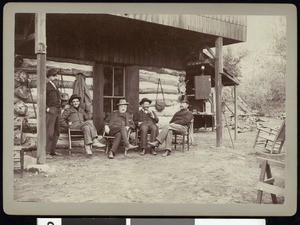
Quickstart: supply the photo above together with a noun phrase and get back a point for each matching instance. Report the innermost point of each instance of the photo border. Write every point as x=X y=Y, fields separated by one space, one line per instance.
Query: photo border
x=154 y=209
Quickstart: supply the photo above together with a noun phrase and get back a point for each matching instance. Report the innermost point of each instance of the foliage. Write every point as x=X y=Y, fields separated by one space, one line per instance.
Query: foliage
x=263 y=76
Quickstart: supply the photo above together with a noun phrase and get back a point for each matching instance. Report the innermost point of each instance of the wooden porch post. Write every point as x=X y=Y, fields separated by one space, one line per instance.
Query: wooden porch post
x=40 y=50
x=218 y=88
x=235 y=111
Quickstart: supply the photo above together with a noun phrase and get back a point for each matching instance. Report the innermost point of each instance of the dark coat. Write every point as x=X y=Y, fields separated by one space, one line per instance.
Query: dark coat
x=52 y=96
x=76 y=117
x=182 y=117
x=114 y=119
x=141 y=116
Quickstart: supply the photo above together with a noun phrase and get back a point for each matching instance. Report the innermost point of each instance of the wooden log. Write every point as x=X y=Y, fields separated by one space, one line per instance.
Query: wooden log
x=153 y=78
x=66 y=68
x=170 y=97
x=147 y=87
x=65 y=84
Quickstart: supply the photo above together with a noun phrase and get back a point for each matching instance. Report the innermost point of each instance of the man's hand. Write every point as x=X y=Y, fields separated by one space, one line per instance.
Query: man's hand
x=139 y=123
x=47 y=109
x=106 y=129
x=70 y=123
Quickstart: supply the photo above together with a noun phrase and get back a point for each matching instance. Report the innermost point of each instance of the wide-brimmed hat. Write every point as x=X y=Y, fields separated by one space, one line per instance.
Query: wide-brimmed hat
x=123 y=102
x=74 y=96
x=145 y=100
x=52 y=72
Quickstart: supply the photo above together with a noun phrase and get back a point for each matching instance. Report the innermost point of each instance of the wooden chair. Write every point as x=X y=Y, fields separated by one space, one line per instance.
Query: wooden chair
x=266 y=180
x=74 y=135
x=183 y=136
x=270 y=140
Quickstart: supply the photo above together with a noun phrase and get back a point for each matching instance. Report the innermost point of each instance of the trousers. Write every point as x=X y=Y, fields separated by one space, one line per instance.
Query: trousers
x=52 y=129
x=121 y=134
x=144 y=129
x=89 y=131
x=166 y=134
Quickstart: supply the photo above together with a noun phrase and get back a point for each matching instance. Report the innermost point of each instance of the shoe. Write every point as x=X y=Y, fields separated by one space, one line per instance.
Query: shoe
x=153 y=152
x=167 y=152
x=88 y=151
x=130 y=147
x=143 y=152
x=154 y=143
x=49 y=156
x=55 y=154
x=97 y=144
x=110 y=155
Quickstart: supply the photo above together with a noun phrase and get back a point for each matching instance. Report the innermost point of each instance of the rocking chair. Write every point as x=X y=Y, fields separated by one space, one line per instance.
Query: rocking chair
x=270 y=140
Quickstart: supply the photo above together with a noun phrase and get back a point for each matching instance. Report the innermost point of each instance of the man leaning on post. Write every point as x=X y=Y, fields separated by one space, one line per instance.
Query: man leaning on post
x=53 y=98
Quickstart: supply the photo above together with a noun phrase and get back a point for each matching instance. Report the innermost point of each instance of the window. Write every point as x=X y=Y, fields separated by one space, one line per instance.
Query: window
x=114 y=87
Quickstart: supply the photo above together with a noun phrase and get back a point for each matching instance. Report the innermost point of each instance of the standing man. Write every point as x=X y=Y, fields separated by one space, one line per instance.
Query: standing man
x=117 y=124
x=146 y=121
x=53 y=97
x=179 y=123
x=75 y=117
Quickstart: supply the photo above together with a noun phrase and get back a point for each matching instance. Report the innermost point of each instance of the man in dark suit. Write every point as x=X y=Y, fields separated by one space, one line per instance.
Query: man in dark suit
x=146 y=121
x=117 y=124
x=179 y=123
x=53 y=97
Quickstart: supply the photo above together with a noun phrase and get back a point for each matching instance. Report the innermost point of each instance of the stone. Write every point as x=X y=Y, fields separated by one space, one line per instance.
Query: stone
x=40 y=168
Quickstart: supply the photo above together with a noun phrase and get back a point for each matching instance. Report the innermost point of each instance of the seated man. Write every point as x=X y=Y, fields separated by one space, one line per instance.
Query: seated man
x=146 y=120
x=74 y=117
x=179 y=123
x=117 y=124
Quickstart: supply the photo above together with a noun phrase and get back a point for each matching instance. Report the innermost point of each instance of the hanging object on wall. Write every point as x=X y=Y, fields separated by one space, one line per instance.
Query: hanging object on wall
x=202 y=87
x=160 y=104
x=20 y=108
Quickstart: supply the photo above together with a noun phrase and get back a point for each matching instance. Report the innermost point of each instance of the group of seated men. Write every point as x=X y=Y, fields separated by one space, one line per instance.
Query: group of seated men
x=119 y=122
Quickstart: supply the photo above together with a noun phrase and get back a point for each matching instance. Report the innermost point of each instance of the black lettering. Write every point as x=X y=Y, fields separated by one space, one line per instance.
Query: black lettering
x=50 y=223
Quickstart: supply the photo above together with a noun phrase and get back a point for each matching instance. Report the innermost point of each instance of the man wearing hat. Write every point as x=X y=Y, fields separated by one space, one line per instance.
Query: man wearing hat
x=117 y=124
x=179 y=123
x=75 y=117
x=53 y=97
x=146 y=121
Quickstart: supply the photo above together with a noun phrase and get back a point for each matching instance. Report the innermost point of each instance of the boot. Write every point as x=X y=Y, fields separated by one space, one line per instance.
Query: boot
x=167 y=152
x=88 y=150
x=130 y=147
x=110 y=155
x=97 y=144
x=153 y=152
x=154 y=143
x=143 y=152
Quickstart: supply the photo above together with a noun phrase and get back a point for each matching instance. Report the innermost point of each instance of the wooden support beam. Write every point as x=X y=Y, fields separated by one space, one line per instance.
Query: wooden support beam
x=210 y=51
x=40 y=50
x=235 y=112
x=218 y=89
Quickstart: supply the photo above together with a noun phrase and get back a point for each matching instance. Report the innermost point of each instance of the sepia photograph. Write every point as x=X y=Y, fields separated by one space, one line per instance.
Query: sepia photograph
x=150 y=108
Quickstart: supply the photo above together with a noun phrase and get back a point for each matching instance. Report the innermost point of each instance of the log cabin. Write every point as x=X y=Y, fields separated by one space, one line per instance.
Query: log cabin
x=124 y=55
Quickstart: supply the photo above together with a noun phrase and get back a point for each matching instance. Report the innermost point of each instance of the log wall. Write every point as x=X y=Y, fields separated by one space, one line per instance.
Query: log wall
x=68 y=71
x=170 y=81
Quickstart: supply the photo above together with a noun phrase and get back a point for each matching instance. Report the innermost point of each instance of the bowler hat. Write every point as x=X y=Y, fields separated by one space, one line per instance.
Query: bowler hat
x=74 y=96
x=123 y=102
x=52 y=72
x=145 y=100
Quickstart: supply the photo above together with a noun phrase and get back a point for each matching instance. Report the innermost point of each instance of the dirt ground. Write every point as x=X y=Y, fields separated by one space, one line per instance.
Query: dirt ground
x=204 y=174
